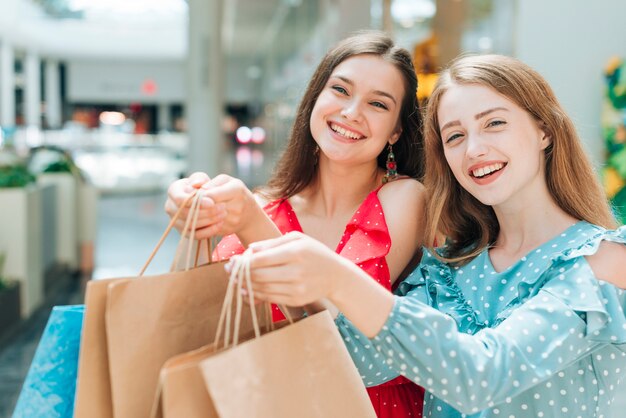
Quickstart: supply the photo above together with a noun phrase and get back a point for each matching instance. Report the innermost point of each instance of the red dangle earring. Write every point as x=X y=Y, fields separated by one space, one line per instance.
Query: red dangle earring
x=392 y=172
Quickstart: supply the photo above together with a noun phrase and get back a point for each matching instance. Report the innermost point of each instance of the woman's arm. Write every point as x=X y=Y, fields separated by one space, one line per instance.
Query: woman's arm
x=227 y=207
x=297 y=270
x=539 y=338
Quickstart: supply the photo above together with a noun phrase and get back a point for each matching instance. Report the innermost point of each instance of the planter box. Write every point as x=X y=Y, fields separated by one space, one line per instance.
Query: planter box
x=20 y=240
x=88 y=197
x=49 y=227
x=9 y=308
x=66 y=216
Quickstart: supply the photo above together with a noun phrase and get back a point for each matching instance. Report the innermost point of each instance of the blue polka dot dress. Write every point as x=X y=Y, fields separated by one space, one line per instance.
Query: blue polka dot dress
x=544 y=338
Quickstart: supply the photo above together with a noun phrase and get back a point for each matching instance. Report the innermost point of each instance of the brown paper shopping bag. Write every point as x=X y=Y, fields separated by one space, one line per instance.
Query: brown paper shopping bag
x=132 y=326
x=182 y=392
x=301 y=369
x=93 y=386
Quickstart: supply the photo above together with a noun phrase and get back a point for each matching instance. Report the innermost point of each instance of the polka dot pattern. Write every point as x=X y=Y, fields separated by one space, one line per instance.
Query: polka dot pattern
x=543 y=338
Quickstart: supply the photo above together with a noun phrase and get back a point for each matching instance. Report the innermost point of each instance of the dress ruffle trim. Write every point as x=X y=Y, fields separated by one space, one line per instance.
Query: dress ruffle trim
x=368 y=236
x=597 y=301
x=442 y=292
x=601 y=301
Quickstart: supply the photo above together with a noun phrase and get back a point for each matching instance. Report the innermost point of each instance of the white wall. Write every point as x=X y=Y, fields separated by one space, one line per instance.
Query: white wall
x=24 y=25
x=569 y=43
x=120 y=81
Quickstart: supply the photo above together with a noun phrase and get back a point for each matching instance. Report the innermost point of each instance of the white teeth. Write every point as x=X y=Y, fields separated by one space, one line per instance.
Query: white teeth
x=483 y=171
x=344 y=132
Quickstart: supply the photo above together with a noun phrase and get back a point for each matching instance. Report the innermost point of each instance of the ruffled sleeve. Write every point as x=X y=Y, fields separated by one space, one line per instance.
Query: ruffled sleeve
x=439 y=289
x=575 y=284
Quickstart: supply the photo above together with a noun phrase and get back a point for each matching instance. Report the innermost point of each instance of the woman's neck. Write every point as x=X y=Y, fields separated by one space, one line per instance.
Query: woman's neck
x=339 y=189
x=524 y=225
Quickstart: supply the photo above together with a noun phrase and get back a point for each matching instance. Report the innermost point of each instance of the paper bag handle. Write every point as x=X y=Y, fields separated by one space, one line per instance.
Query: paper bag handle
x=240 y=273
x=195 y=196
x=190 y=227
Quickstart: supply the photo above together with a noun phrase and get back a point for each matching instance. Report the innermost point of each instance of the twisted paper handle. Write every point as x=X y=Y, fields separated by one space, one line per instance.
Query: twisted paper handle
x=192 y=218
x=239 y=275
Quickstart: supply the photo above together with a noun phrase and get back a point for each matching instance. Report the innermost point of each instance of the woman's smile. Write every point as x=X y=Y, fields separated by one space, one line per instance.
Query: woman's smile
x=343 y=133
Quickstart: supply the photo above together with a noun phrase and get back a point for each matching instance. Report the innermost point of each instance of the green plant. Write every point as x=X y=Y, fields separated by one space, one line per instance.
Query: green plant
x=15 y=176
x=61 y=166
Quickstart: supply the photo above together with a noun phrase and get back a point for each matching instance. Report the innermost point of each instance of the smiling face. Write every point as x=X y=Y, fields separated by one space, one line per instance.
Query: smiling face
x=494 y=148
x=357 y=111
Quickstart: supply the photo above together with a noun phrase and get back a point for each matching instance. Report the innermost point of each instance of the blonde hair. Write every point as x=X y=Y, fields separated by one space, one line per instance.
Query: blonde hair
x=470 y=225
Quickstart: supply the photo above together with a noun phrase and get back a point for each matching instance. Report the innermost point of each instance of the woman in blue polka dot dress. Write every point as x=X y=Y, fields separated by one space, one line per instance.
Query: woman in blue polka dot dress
x=519 y=315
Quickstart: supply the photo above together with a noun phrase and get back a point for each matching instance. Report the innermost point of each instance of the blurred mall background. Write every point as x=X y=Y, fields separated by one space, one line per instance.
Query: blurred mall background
x=104 y=103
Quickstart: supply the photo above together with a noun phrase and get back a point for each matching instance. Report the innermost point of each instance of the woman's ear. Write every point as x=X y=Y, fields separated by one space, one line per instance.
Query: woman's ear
x=546 y=137
x=395 y=136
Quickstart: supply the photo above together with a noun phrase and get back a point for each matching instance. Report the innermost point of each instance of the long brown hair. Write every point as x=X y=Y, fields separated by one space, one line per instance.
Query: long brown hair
x=297 y=167
x=470 y=225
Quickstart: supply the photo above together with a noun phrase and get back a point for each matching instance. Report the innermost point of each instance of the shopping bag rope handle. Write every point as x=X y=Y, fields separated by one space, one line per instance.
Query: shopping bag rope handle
x=240 y=273
x=190 y=228
x=193 y=214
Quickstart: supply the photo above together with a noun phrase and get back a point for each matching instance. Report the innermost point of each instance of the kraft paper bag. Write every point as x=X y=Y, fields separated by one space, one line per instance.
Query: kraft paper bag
x=181 y=391
x=300 y=369
x=152 y=319
x=133 y=325
x=93 y=388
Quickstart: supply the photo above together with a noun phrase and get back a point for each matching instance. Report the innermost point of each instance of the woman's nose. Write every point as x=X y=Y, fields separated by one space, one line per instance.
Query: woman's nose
x=476 y=146
x=352 y=110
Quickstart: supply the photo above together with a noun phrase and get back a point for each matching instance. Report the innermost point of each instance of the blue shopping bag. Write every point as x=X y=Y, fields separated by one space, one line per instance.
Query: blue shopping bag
x=50 y=385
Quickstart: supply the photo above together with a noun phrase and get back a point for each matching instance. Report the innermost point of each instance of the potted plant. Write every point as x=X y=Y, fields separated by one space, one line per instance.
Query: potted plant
x=16 y=175
x=9 y=300
x=21 y=232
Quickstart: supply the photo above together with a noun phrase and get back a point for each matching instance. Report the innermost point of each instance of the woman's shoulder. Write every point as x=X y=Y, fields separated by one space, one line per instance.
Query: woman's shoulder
x=402 y=196
x=401 y=188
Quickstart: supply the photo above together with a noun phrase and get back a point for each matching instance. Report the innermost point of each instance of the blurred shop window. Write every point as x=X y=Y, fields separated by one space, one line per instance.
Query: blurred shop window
x=614 y=130
x=425 y=60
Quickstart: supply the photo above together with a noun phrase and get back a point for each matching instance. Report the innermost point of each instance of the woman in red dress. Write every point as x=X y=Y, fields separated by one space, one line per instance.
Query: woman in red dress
x=358 y=125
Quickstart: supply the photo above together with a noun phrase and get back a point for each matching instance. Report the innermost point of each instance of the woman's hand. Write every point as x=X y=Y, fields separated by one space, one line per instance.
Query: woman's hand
x=211 y=215
x=227 y=207
x=296 y=270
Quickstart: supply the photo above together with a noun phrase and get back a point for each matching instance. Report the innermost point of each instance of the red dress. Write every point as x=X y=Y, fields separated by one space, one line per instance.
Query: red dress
x=365 y=242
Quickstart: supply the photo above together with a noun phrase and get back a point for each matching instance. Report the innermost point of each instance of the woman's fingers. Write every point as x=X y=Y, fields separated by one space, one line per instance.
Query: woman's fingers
x=223 y=189
x=279 y=294
x=197 y=179
x=275 y=243
x=209 y=231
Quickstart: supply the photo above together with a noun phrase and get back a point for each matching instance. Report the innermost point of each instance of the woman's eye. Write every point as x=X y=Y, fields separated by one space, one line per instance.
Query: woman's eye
x=340 y=89
x=496 y=123
x=379 y=105
x=453 y=137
